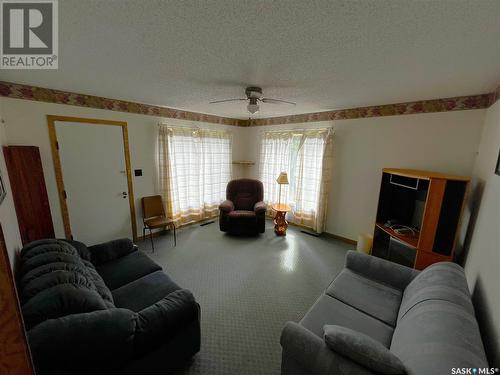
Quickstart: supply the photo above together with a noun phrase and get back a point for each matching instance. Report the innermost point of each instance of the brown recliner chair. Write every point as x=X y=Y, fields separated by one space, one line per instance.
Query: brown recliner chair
x=243 y=211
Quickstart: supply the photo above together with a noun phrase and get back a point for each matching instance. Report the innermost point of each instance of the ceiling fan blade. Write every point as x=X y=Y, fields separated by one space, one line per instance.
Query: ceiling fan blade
x=226 y=100
x=276 y=101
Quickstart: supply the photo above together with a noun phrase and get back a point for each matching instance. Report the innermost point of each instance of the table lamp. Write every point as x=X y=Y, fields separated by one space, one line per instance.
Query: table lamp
x=282 y=180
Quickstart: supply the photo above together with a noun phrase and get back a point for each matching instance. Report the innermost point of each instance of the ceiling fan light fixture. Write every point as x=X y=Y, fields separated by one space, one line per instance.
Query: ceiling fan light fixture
x=252 y=106
x=254 y=96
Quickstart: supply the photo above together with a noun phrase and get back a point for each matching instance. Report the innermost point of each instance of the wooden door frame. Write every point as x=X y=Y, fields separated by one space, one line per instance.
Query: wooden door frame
x=51 y=119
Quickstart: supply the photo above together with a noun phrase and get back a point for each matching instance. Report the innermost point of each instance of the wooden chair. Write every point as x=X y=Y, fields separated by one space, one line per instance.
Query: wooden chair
x=153 y=213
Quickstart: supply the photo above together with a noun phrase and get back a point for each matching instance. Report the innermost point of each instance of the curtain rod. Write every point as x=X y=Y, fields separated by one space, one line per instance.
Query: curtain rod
x=296 y=130
x=179 y=126
x=191 y=127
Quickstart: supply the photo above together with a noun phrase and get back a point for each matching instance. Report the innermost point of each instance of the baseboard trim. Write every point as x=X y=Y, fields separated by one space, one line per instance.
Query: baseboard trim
x=207 y=222
x=324 y=234
x=340 y=238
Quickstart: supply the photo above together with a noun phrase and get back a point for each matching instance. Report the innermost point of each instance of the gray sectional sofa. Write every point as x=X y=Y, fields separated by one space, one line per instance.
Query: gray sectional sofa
x=378 y=317
x=104 y=309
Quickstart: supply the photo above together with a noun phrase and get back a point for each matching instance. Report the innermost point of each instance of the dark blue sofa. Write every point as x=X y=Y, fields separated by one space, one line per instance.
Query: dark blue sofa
x=106 y=308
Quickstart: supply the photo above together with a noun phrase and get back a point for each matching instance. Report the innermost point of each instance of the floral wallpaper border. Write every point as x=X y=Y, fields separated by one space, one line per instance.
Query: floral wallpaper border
x=19 y=91
x=422 y=106
x=495 y=96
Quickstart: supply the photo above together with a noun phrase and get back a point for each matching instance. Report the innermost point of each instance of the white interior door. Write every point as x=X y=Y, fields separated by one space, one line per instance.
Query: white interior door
x=95 y=181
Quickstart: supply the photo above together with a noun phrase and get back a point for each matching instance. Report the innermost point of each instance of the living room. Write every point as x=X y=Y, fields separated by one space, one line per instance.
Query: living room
x=271 y=139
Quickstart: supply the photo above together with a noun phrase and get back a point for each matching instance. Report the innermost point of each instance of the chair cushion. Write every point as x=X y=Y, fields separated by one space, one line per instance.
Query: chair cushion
x=244 y=193
x=126 y=269
x=363 y=349
x=435 y=336
x=330 y=311
x=440 y=281
x=144 y=292
x=372 y=297
x=157 y=222
x=241 y=214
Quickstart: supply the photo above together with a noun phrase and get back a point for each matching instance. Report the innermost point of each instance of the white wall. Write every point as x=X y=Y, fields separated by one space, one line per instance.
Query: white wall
x=26 y=124
x=443 y=142
x=8 y=218
x=482 y=262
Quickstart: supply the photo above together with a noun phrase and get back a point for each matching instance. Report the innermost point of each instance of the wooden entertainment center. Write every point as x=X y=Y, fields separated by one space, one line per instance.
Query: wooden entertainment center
x=418 y=216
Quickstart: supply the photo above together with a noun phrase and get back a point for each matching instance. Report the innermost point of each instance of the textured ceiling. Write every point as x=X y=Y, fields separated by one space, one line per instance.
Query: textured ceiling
x=321 y=54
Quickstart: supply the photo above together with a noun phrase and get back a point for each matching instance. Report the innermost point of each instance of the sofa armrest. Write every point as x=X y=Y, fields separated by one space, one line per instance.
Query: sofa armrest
x=363 y=349
x=381 y=270
x=303 y=349
x=163 y=319
x=107 y=251
x=226 y=206
x=98 y=339
x=260 y=208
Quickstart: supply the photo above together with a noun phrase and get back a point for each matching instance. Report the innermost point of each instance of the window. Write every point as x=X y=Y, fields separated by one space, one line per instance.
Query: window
x=194 y=167
x=306 y=156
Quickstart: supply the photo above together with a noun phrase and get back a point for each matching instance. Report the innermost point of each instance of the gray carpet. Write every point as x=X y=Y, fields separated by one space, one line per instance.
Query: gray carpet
x=247 y=288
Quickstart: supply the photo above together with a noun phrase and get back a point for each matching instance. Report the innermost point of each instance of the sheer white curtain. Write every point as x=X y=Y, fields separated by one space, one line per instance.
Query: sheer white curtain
x=275 y=153
x=306 y=155
x=194 y=167
x=312 y=178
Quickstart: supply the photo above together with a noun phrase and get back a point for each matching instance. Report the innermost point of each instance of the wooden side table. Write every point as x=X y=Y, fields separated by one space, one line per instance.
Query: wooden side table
x=280 y=223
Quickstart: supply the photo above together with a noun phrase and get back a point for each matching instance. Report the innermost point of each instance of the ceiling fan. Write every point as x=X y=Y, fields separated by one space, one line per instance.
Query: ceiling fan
x=254 y=97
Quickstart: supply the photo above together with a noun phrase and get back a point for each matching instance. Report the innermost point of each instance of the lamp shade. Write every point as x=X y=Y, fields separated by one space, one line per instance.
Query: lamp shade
x=282 y=179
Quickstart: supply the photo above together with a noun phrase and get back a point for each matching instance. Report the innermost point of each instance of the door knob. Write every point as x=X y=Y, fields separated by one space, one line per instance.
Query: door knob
x=124 y=194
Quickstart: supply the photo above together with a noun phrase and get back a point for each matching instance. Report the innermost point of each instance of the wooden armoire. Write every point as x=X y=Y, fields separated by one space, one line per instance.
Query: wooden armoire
x=29 y=192
x=418 y=216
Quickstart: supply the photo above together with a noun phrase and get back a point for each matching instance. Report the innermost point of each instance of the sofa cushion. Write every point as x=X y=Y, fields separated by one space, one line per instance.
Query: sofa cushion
x=363 y=349
x=441 y=281
x=144 y=292
x=164 y=319
x=111 y=250
x=42 y=252
x=61 y=300
x=435 y=336
x=38 y=247
x=372 y=297
x=100 y=286
x=54 y=281
x=46 y=258
x=82 y=249
x=126 y=269
x=330 y=311
x=39 y=271
x=55 y=278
